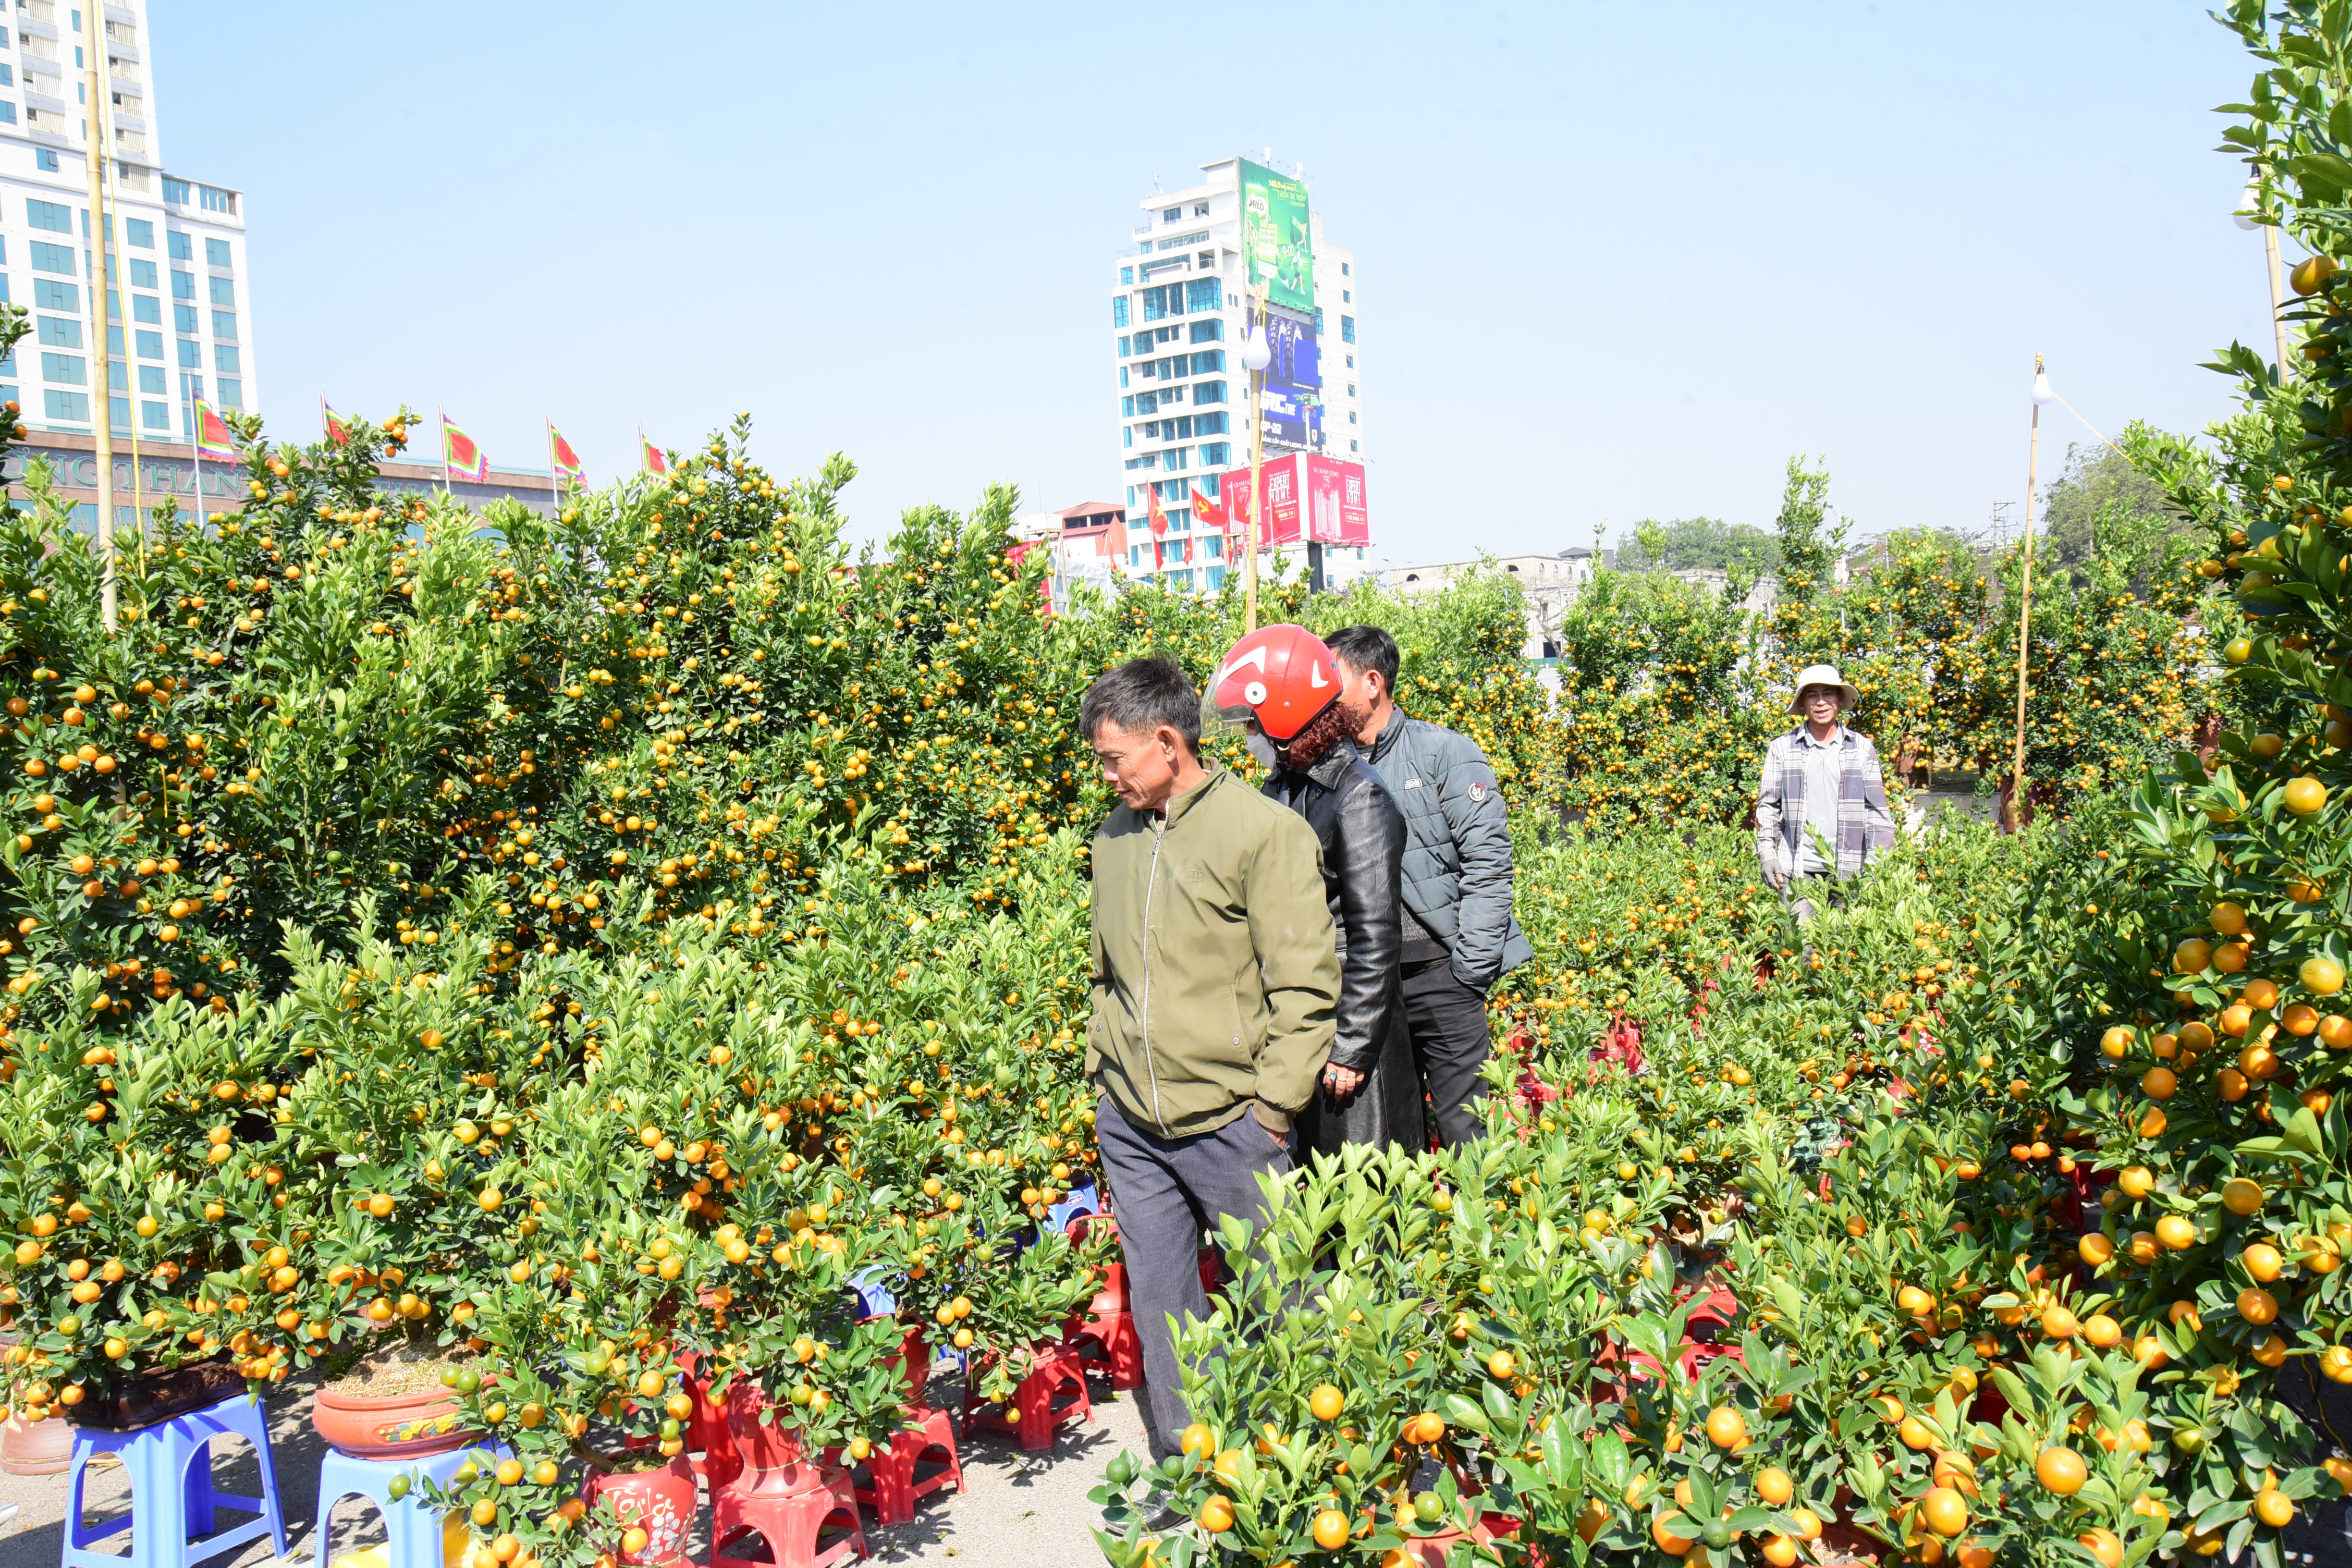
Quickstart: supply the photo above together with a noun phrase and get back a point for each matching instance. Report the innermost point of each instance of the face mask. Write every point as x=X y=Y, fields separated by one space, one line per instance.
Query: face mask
x=1262 y=749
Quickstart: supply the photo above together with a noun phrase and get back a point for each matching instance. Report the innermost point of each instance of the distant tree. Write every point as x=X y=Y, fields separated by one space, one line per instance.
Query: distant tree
x=2100 y=502
x=1696 y=544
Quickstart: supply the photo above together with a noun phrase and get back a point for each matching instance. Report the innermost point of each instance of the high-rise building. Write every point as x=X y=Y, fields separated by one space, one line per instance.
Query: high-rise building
x=179 y=318
x=1179 y=307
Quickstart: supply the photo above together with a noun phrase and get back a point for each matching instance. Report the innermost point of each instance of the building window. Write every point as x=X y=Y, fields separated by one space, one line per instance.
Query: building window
x=192 y=356
x=1209 y=362
x=1211 y=332
x=60 y=331
x=232 y=394
x=1351 y=417
x=1122 y=375
x=1123 y=349
x=1127 y=436
x=1214 y=547
x=150 y=345
x=73 y=406
x=1118 y=311
x=225 y=361
x=1343 y=269
x=151 y=380
x=147 y=308
x=215 y=201
x=155 y=415
x=1351 y=389
x=1351 y=362
x=1127 y=406
x=1171 y=215
x=183 y=285
x=141 y=232
x=7 y=109
x=184 y=318
x=1147 y=402
x=217 y=253
x=49 y=296
x=224 y=291
x=1351 y=445
x=1347 y=331
x=225 y=325
x=1200 y=209
x=1205 y=260
x=1204 y=294
x=69 y=368
x=55 y=217
x=48 y=257
x=1208 y=392
x=192 y=388
x=1168 y=299
x=1347 y=297
x=44 y=160
x=1209 y=425
x=175 y=192
x=1216 y=454
x=143 y=275
x=182 y=247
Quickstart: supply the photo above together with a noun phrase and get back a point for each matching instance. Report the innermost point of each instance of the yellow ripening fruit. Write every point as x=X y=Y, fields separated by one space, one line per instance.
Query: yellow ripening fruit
x=2242 y=1195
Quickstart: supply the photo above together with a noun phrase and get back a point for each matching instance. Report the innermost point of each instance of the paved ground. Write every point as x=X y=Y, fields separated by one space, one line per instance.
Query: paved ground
x=1018 y=1511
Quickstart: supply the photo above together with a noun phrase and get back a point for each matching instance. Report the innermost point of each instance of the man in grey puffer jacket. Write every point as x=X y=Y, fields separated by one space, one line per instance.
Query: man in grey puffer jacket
x=1459 y=936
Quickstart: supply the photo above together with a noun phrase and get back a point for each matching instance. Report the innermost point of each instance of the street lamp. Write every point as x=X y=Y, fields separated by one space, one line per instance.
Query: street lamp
x=1255 y=355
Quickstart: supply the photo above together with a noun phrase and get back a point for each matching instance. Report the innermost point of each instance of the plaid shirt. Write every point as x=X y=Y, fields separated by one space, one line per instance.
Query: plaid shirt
x=1864 y=825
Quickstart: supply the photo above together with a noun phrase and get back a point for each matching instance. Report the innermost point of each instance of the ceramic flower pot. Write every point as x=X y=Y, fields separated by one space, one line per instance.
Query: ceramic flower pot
x=661 y=1503
x=34 y=1448
x=391 y=1426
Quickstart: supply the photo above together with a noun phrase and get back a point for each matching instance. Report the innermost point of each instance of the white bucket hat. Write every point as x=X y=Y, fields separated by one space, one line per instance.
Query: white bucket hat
x=1821 y=675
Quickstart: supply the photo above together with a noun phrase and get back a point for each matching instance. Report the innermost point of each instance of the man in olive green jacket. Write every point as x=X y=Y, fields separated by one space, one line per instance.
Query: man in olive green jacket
x=1215 y=979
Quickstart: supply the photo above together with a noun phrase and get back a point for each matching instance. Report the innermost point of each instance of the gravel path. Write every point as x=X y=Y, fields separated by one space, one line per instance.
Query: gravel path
x=1018 y=1511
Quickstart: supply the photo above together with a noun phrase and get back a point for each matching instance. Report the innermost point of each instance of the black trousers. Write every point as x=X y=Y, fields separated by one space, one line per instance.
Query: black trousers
x=1450 y=1043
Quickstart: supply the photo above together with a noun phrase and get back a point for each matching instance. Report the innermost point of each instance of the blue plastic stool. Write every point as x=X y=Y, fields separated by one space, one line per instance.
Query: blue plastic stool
x=1081 y=1201
x=412 y=1528
x=171 y=1469
x=874 y=1302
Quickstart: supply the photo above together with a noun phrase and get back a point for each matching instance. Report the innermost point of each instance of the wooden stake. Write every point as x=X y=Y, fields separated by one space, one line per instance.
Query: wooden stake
x=2025 y=613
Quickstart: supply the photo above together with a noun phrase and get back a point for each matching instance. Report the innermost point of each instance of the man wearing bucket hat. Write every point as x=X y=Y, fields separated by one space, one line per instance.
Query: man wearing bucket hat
x=1820 y=810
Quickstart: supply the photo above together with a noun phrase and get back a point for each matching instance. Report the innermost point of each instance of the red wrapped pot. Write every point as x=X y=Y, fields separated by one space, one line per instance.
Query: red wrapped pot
x=391 y=1426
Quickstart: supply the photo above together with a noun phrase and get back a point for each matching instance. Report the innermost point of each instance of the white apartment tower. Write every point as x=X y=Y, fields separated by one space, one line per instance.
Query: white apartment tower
x=178 y=319
x=1179 y=304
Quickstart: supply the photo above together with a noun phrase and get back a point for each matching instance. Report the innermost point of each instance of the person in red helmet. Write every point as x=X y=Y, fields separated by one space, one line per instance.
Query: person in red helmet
x=1282 y=686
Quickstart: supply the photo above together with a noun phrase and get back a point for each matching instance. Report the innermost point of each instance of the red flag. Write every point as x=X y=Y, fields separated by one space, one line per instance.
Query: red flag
x=461 y=455
x=1206 y=510
x=650 y=454
x=561 y=460
x=339 y=429
x=1239 y=504
x=1158 y=518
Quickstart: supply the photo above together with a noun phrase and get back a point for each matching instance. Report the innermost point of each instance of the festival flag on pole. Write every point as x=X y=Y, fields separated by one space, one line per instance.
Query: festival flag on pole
x=562 y=457
x=213 y=437
x=1237 y=508
x=650 y=455
x=461 y=455
x=1205 y=511
x=1158 y=527
x=339 y=429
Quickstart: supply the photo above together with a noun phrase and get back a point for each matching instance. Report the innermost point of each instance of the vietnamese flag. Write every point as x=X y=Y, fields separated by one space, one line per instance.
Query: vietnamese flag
x=1159 y=527
x=461 y=455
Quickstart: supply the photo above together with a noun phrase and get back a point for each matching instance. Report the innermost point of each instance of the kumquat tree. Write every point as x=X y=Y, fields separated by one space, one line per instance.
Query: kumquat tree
x=632 y=960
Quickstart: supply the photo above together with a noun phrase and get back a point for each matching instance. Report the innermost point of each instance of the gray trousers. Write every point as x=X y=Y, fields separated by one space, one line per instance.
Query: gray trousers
x=1165 y=1192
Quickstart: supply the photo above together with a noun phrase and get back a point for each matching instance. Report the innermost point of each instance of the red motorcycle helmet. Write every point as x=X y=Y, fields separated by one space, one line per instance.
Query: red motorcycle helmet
x=1281 y=675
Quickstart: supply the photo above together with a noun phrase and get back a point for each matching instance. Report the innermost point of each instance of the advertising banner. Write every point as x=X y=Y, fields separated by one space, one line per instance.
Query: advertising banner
x=1275 y=246
x=1294 y=386
x=1282 y=487
x=1335 y=492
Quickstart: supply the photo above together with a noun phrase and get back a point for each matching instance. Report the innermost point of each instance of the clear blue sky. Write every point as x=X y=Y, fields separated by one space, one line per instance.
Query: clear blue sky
x=1616 y=261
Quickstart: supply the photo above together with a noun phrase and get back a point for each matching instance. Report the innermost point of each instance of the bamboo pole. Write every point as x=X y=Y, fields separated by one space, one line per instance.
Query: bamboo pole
x=2024 y=614
x=130 y=395
x=103 y=277
x=1257 y=482
x=2278 y=300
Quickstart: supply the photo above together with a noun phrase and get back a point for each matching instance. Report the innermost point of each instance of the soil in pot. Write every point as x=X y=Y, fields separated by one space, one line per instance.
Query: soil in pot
x=393 y=1405
x=158 y=1397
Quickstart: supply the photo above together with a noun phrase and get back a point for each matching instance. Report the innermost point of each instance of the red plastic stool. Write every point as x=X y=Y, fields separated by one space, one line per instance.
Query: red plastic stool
x=1052 y=1397
x=894 y=1489
x=792 y=1524
x=1108 y=1338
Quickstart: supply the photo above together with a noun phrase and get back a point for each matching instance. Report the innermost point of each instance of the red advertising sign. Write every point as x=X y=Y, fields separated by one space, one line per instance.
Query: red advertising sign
x=1336 y=501
x=1282 y=491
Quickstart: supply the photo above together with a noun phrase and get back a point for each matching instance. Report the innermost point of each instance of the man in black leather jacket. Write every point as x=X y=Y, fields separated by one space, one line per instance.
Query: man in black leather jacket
x=1369 y=1091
